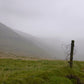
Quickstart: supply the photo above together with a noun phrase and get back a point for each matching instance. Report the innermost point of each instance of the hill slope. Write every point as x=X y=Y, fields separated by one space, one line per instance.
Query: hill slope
x=11 y=41
x=22 y=44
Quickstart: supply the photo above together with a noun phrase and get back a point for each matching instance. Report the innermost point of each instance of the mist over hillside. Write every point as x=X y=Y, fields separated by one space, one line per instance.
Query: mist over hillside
x=53 y=46
x=63 y=47
x=13 y=42
x=22 y=44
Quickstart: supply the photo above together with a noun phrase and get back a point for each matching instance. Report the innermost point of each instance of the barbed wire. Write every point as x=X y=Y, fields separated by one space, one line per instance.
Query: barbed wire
x=67 y=50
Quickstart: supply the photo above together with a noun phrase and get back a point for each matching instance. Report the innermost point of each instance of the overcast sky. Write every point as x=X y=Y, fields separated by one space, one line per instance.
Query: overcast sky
x=50 y=18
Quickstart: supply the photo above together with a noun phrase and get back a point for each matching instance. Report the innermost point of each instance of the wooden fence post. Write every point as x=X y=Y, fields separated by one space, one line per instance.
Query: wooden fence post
x=71 y=53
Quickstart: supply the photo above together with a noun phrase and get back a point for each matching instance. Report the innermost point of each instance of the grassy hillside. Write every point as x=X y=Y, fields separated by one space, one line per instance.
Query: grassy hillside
x=20 y=43
x=16 y=71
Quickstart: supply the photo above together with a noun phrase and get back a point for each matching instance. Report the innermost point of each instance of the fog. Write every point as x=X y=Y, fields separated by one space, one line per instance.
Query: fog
x=44 y=18
x=53 y=22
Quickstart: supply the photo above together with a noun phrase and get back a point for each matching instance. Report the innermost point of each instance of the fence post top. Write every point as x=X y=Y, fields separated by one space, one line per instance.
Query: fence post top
x=72 y=41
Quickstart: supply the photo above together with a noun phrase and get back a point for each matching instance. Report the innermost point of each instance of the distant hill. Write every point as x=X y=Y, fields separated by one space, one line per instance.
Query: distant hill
x=17 y=43
x=52 y=46
x=22 y=44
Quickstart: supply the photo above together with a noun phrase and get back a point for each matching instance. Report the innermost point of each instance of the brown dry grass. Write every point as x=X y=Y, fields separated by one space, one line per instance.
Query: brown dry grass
x=5 y=55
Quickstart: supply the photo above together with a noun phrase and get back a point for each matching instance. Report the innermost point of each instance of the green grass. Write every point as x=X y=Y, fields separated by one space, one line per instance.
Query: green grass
x=38 y=72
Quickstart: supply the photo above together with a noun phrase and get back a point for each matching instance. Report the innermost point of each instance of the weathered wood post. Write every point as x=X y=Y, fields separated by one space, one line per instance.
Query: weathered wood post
x=71 y=53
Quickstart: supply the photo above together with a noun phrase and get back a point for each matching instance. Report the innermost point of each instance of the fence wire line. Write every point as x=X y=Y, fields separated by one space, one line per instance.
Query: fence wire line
x=67 y=50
